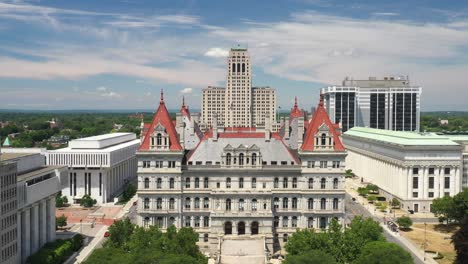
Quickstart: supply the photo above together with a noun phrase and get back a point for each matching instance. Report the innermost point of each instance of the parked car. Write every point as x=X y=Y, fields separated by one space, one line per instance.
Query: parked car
x=106 y=234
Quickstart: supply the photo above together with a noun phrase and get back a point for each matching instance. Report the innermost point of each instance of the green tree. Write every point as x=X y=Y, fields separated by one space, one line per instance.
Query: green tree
x=371 y=198
x=109 y=255
x=360 y=232
x=61 y=221
x=129 y=192
x=381 y=252
x=363 y=191
x=444 y=208
x=87 y=201
x=460 y=209
x=395 y=203
x=311 y=257
x=119 y=234
x=372 y=188
x=460 y=241
x=349 y=174
x=404 y=222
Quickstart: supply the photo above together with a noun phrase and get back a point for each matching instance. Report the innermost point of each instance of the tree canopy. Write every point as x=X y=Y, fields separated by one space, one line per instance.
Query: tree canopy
x=382 y=252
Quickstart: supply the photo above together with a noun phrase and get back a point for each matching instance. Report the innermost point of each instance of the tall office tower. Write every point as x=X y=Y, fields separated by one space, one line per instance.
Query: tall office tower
x=389 y=103
x=239 y=104
x=8 y=209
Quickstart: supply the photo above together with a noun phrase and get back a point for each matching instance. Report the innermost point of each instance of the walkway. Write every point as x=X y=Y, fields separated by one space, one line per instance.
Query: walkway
x=245 y=250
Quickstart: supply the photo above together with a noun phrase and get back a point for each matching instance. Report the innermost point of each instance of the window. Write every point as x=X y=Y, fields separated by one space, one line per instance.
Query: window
x=294 y=221
x=446 y=171
x=336 y=164
x=276 y=202
x=187 y=203
x=206 y=203
x=323 y=203
x=218 y=185
x=171 y=183
x=294 y=203
x=311 y=183
x=294 y=183
x=187 y=182
x=197 y=183
x=276 y=183
x=431 y=182
x=323 y=164
x=446 y=182
x=446 y=193
x=146 y=183
x=205 y=183
x=187 y=221
x=415 y=182
x=310 y=164
x=431 y=194
x=415 y=194
x=146 y=222
x=323 y=223
x=228 y=204
x=254 y=183
x=254 y=159
x=310 y=222
x=285 y=182
x=285 y=203
x=415 y=170
x=285 y=238
x=159 y=164
x=228 y=159
x=241 y=205
x=285 y=221
x=241 y=159
x=159 y=139
x=146 y=203
x=159 y=204
x=276 y=222
x=310 y=204
x=146 y=164
x=159 y=183
x=197 y=203
x=241 y=183
x=197 y=221
x=228 y=183
x=206 y=223
x=431 y=171
x=323 y=140
x=335 y=183
x=171 y=164
x=323 y=183
x=171 y=204
x=254 y=204
x=335 y=204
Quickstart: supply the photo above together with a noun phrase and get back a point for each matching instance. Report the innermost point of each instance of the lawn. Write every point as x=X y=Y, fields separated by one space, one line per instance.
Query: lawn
x=438 y=239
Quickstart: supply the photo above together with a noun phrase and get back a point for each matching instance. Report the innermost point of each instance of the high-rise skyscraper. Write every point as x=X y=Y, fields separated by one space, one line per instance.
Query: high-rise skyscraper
x=388 y=103
x=239 y=104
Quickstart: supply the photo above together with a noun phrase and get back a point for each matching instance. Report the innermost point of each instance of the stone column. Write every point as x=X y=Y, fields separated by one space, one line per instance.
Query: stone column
x=51 y=220
x=26 y=235
x=34 y=228
x=19 y=227
x=42 y=223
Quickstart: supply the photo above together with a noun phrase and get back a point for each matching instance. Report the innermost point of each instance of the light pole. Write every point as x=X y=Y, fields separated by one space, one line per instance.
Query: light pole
x=81 y=226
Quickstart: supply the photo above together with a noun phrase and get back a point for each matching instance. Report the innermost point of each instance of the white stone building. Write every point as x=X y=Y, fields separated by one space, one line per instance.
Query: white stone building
x=99 y=166
x=28 y=190
x=413 y=167
x=241 y=181
x=239 y=104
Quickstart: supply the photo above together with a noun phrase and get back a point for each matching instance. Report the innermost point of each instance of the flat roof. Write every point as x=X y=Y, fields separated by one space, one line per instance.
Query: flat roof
x=103 y=137
x=12 y=156
x=401 y=137
x=97 y=150
x=101 y=141
x=37 y=172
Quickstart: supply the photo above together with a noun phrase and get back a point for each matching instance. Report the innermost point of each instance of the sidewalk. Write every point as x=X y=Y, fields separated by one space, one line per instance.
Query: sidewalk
x=87 y=250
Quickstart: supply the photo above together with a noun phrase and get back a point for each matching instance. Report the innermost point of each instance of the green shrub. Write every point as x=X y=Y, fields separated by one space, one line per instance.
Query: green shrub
x=56 y=252
x=371 y=198
x=77 y=242
x=87 y=201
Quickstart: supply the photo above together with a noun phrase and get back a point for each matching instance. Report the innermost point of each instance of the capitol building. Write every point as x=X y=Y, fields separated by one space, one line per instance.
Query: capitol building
x=241 y=181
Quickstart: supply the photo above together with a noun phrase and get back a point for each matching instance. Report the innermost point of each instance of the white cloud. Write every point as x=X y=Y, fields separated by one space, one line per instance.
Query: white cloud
x=186 y=91
x=217 y=52
x=101 y=89
x=111 y=94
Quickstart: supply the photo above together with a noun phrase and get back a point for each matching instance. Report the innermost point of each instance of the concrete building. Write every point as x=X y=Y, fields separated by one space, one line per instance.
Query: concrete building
x=389 y=103
x=239 y=104
x=28 y=204
x=243 y=182
x=99 y=166
x=413 y=167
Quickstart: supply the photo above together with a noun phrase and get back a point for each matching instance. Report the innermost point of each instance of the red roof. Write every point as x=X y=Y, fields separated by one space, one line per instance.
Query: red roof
x=163 y=118
x=184 y=109
x=295 y=111
x=321 y=117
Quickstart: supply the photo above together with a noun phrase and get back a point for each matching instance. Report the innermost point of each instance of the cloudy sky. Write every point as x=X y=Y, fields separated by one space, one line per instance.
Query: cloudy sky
x=112 y=54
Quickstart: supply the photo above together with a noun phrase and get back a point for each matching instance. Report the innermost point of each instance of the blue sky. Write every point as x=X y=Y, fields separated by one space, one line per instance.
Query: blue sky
x=92 y=54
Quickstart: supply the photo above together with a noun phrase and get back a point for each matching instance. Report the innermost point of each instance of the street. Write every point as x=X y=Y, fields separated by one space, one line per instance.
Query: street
x=355 y=209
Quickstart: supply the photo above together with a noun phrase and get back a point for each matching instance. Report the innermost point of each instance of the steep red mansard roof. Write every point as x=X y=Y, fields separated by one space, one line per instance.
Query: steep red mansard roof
x=295 y=111
x=162 y=117
x=321 y=117
x=184 y=109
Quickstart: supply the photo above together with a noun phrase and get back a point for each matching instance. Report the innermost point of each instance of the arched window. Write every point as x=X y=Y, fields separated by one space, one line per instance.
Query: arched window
x=276 y=202
x=243 y=67
x=228 y=183
x=254 y=204
x=171 y=204
x=285 y=182
x=285 y=221
x=159 y=183
x=228 y=159
x=187 y=182
x=323 y=139
x=310 y=222
x=254 y=159
x=254 y=183
x=310 y=204
x=187 y=203
x=294 y=221
x=285 y=203
x=323 y=223
x=294 y=203
x=206 y=203
x=197 y=221
x=241 y=205
x=146 y=222
x=233 y=67
x=311 y=183
x=159 y=203
x=241 y=183
x=197 y=203
x=294 y=183
x=285 y=238
x=335 y=204
x=146 y=203
x=238 y=68
x=159 y=139
x=197 y=183
x=146 y=183
x=205 y=183
x=323 y=183
x=276 y=222
x=276 y=183
x=205 y=237
x=171 y=183
x=228 y=204
x=323 y=203
x=171 y=221
x=241 y=159
x=335 y=183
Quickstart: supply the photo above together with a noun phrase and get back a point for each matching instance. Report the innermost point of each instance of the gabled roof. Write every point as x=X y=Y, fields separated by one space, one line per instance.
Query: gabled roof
x=321 y=120
x=295 y=111
x=162 y=118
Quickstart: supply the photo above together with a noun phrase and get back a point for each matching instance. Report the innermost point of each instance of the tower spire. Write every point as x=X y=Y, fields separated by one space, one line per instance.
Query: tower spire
x=183 y=101
x=162 y=97
x=295 y=101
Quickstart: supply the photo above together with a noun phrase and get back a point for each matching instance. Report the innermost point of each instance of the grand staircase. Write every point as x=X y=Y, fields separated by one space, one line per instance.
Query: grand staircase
x=243 y=249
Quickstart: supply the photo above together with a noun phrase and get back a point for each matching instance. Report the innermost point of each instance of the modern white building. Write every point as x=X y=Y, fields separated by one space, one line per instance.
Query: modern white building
x=413 y=167
x=243 y=181
x=239 y=104
x=28 y=204
x=99 y=166
x=389 y=103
